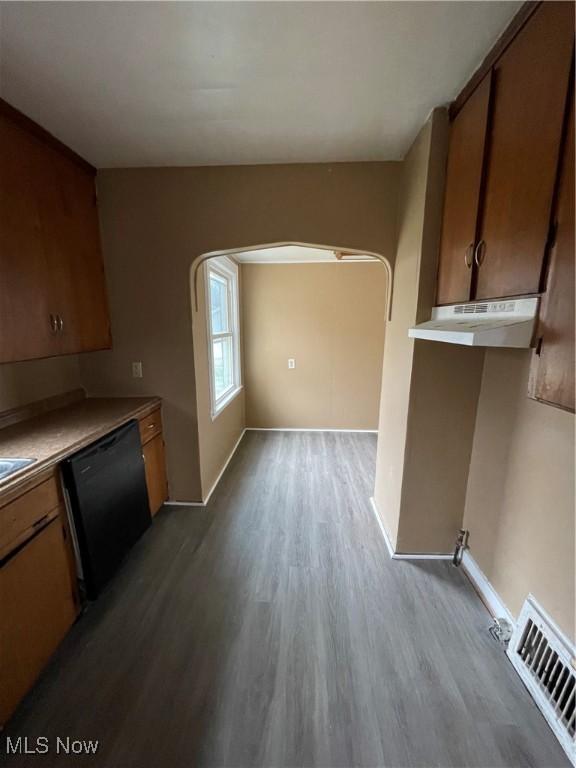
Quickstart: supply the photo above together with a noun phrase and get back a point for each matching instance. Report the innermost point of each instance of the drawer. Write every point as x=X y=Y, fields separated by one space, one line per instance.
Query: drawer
x=19 y=517
x=150 y=426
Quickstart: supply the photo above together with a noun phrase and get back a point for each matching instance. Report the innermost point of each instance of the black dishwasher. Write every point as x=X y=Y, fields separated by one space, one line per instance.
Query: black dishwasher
x=106 y=485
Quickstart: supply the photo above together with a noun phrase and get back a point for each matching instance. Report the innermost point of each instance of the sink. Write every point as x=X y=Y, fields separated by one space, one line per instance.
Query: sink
x=8 y=466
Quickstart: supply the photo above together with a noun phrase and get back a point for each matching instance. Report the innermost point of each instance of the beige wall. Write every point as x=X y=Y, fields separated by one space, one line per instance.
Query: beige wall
x=429 y=390
x=216 y=438
x=398 y=349
x=22 y=383
x=520 y=500
x=443 y=399
x=156 y=221
x=330 y=318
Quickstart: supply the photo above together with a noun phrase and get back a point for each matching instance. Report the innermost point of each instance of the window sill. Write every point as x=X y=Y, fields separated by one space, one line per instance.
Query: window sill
x=226 y=402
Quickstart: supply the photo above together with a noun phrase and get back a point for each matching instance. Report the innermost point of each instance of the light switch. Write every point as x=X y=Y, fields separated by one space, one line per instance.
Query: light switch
x=291 y=362
x=137 y=370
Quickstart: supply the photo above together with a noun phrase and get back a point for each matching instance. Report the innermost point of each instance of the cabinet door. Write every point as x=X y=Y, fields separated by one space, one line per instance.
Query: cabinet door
x=50 y=259
x=552 y=372
x=155 y=463
x=57 y=223
x=38 y=609
x=25 y=328
x=88 y=269
x=531 y=86
x=72 y=245
x=462 y=196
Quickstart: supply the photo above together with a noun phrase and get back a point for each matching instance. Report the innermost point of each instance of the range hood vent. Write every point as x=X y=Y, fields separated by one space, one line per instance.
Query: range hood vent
x=505 y=323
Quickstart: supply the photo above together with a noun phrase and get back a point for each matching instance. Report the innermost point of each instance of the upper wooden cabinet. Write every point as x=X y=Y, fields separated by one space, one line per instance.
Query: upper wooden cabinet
x=463 y=182
x=25 y=329
x=514 y=187
x=531 y=87
x=552 y=370
x=52 y=287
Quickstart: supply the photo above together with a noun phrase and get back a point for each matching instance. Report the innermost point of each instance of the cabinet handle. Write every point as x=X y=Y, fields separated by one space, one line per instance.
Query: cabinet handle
x=53 y=323
x=480 y=253
x=469 y=255
x=60 y=323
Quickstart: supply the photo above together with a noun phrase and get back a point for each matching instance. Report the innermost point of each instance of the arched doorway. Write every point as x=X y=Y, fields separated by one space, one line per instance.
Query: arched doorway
x=219 y=433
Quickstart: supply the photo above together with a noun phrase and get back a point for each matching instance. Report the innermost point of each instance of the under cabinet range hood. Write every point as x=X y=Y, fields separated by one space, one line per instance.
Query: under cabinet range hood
x=504 y=323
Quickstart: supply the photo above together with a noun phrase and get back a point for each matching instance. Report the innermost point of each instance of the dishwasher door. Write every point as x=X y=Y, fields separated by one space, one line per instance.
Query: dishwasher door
x=106 y=485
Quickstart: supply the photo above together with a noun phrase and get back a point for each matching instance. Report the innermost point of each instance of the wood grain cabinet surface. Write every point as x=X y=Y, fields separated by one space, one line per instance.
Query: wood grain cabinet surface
x=552 y=369
x=154 y=459
x=37 y=599
x=21 y=515
x=463 y=185
x=502 y=202
x=531 y=88
x=52 y=288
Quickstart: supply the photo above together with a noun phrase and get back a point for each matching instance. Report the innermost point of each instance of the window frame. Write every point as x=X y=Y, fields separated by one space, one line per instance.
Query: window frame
x=225 y=269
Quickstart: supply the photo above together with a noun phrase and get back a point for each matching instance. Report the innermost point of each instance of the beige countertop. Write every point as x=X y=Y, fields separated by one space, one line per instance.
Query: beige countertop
x=53 y=436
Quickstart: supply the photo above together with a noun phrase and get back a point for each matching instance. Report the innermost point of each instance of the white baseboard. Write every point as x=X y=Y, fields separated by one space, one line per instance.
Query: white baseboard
x=211 y=491
x=401 y=555
x=184 y=503
x=420 y=556
x=306 y=429
x=228 y=460
x=488 y=594
x=383 y=531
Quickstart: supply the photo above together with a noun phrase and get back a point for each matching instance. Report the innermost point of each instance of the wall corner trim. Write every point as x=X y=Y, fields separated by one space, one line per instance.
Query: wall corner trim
x=228 y=460
x=385 y=536
x=485 y=590
x=402 y=555
x=205 y=501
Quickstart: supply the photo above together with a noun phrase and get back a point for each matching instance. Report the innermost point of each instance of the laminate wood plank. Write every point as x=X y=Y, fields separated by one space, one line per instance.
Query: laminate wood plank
x=271 y=628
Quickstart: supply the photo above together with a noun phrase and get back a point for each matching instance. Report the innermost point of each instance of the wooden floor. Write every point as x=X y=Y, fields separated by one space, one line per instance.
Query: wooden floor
x=272 y=629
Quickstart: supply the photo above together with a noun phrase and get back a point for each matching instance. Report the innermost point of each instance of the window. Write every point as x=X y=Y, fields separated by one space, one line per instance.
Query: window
x=223 y=331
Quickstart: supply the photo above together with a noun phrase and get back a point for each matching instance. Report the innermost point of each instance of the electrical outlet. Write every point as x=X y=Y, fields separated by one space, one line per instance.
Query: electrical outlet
x=291 y=362
x=137 y=370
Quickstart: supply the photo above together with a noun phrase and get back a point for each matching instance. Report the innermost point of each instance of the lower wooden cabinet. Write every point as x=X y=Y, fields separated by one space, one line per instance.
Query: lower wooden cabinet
x=154 y=459
x=37 y=599
x=155 y=473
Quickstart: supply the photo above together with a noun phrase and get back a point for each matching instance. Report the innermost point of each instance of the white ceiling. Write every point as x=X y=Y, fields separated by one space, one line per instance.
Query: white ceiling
x=213 y=83
x=294 y=254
